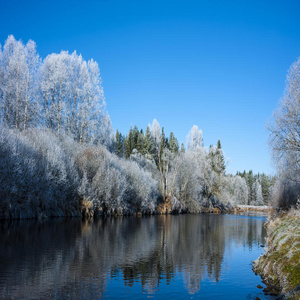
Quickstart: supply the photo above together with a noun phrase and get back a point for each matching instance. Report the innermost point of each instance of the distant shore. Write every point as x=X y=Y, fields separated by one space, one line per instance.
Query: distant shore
x=246 y=208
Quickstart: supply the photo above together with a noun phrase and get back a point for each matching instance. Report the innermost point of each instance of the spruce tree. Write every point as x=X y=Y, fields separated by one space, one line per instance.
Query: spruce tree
x=135 y=134
x=182 y=148
x=119 y=144
x=140 y=141
x=173 y=143
x=148 y=147
x=128 y=144
x=250 y=181
x=265 y=186
x=167 y=144
x=221 y=161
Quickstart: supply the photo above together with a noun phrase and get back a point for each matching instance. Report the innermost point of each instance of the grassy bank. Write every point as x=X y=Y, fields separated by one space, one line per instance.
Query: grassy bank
x=280 y=265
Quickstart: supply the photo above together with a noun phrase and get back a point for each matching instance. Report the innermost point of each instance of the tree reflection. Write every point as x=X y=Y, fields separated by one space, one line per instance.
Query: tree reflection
x=65 y=258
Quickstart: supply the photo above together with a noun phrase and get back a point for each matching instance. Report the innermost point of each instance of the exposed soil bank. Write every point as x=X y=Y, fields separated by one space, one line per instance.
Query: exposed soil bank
x=280 y=265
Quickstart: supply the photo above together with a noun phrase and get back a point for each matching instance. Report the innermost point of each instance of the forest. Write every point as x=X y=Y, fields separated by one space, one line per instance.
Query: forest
x=60 y=156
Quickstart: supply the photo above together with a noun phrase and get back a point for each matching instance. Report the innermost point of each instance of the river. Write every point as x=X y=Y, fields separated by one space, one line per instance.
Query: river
x=174 y=256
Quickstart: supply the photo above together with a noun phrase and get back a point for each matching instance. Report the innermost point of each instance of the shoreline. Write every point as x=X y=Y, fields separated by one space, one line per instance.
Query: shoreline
x=88 y=215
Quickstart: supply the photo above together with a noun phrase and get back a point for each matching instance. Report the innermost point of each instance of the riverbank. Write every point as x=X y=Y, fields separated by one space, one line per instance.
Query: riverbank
x=87 y=211
x=249 y=208
x=280 y=265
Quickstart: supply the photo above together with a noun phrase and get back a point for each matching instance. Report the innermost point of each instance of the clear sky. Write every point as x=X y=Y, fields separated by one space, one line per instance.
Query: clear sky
x=218 y=64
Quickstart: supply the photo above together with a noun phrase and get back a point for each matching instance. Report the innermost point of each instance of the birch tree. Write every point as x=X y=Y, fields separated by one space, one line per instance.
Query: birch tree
x=72 y=98
x=18 y=69
x=285 y=127
x=194 y=138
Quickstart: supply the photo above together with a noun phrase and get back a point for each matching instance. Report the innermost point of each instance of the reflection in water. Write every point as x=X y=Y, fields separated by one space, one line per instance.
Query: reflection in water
x=62 y=258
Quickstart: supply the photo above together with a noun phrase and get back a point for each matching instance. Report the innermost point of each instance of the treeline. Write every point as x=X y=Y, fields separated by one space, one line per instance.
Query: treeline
x=59 y=156
x=259 y=187
x=250 y=189
x=145 y=143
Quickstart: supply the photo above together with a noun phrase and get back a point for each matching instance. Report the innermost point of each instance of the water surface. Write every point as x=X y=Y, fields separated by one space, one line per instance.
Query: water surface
x=180 y=256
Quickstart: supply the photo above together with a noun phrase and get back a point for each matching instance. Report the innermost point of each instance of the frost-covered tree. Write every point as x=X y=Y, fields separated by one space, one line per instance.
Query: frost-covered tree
x=189 y=181
x=72 y=98
x=284 y=128
x=155 y=132
x=118 y=186
x=63 y=93
x=240 y=190
x=54 y=89
x=18 y=84
x=149 y=146
x=284 y=140
x=258 y=197
x=194 y=138
x=166 y=163
x=32 y=107
x=217 y=159
x=182 y=148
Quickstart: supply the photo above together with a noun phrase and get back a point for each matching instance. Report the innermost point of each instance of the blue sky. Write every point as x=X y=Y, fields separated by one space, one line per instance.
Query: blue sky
x=218 y=64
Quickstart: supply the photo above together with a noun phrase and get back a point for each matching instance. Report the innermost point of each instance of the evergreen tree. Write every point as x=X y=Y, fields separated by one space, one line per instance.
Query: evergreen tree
x=173 y=143
x=140 y=141
x=182 y=148
x=135 y=135
x=167 y=144
x=128 y=144
x=217 y=160
x=119 y=148
x=266 y=183
x=221 y=160
x=250 y=181
x=148 y=143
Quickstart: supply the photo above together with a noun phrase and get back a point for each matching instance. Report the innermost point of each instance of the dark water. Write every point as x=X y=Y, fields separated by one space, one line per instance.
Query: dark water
x=183 y=257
